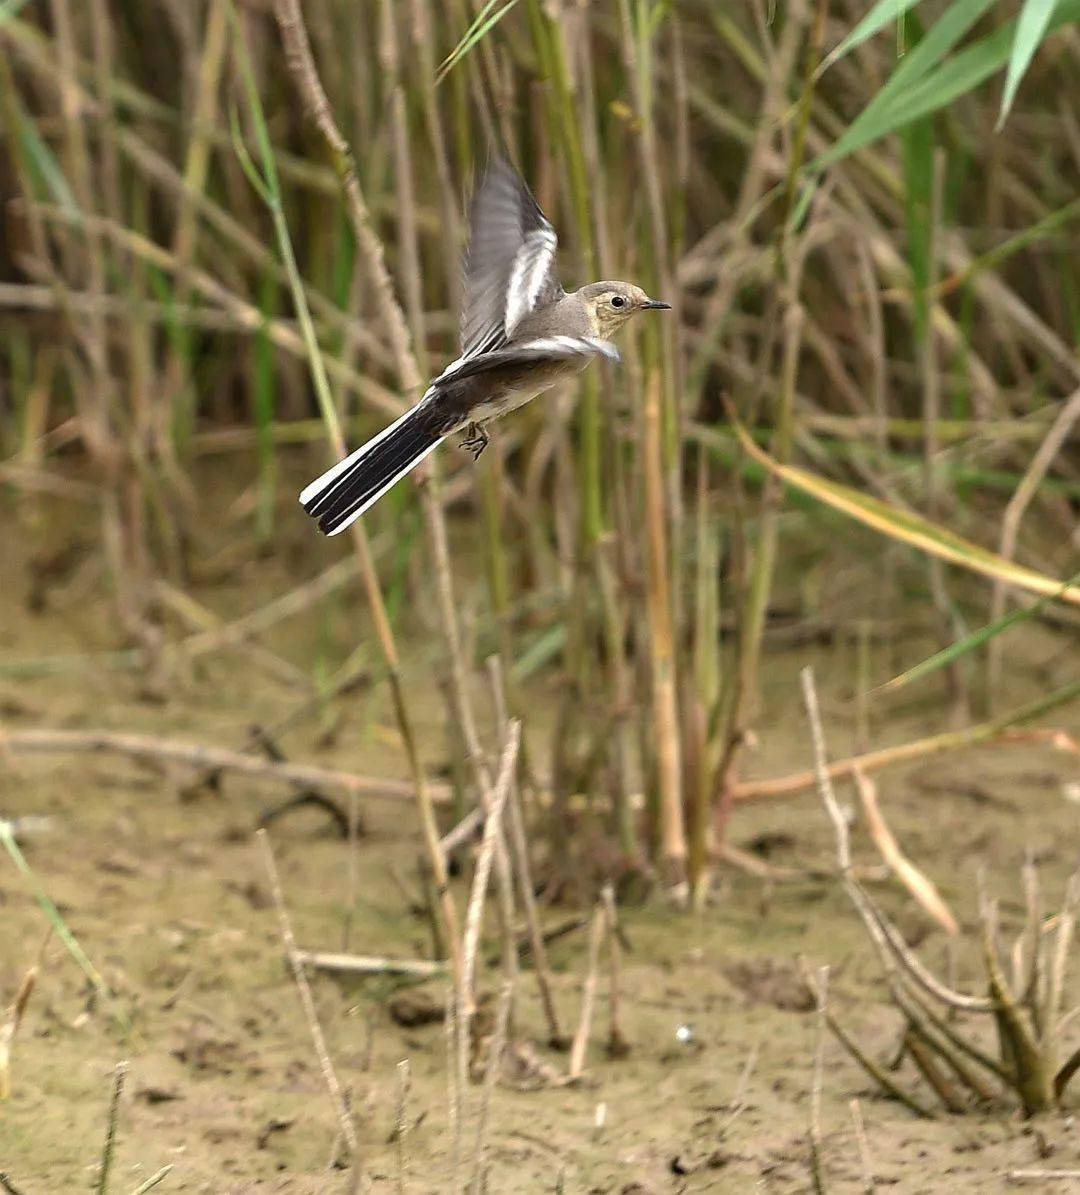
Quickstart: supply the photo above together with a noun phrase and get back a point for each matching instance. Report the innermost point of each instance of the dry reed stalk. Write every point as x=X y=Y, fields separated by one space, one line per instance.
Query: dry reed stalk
x=302 y=64
x=213 y=759
x=307 y=1002
x=520 y=849
x=366 y=964
x=195 y=173
x=475 y=908
x=817 y=1164
x=465 y=995
x=1045 y=454
x=17 y=1010
x=390 y=61
x=997 y=732
x=455 y=1080
x=158 y=170
x=281 y=333
x=923 y=889
x=588 y=995
x=496 y=1046
x=673 y=849
x=422 y=45
x=618 y=1046
x=404 y=1083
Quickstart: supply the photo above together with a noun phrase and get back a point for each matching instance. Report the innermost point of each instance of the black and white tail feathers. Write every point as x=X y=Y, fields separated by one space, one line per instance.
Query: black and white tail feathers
x=342 y=494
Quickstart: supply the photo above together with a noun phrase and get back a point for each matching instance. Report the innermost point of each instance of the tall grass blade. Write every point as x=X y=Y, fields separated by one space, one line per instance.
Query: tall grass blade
x=969 y=643
x=1031 y=27
x=42 y=161
x=883 y=13
x=916 y=88
x=907 y=528
x=56 y=920
x=486 y=20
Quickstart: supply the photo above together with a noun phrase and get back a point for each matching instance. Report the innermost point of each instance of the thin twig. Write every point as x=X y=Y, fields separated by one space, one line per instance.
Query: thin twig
x=496 y=1046
x=618 y=1046
x=923 y=889
x=198 y=755
x=155 y=1178
x=307 y=1001
x=367 y=964
x=821 y=771
x=588 y=995
x=816 y=1162
x=404 y=1078
x=865 y=1162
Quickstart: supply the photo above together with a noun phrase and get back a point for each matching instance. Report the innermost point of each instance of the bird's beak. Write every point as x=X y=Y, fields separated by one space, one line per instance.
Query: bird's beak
x=655 y=305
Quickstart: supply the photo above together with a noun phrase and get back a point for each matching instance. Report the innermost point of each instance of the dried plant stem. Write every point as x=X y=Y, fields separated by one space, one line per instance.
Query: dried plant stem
x=924 y=891
x=475 y=908
x=588 y=994
x=821 y=772
x=365 y=964
x=105 y=1163
x=307 y=1001
x=865 y=1162
x=618 y=1046
x=926 y=1061
x=157 y=1177
x=520 y=849
x=985 y=732
x=878 y=1073
x=196 y=755
x=673 y=847
x=302 y=64
x=1055 y=439
x=465 y=996
x=404 y=1080
x=496 y=1047
x=817 y=1171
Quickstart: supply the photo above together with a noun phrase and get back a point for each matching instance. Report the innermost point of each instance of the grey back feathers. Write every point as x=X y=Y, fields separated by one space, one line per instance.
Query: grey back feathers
x=510 y=263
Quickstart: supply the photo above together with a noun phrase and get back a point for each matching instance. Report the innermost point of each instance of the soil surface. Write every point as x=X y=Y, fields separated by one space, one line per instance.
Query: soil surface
x=164 y=887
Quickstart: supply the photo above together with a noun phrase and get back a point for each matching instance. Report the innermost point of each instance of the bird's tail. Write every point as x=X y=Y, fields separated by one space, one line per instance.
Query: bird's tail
x=344 y=492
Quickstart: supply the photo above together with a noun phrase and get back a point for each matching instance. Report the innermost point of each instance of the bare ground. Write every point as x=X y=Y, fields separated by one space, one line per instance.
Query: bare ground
x=169 y=898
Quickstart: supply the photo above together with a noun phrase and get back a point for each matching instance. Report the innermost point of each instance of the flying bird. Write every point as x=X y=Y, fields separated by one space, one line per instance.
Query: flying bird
x=521 y=334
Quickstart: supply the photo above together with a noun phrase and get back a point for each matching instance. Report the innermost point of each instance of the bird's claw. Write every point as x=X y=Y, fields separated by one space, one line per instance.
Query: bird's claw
x=476 y=440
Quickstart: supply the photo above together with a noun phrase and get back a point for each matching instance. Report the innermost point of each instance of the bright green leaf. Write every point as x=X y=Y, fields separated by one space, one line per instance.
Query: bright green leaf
x=883 y=13
x=1031 y=28
x=486 y=20
x=924 y=91
x=877 y=118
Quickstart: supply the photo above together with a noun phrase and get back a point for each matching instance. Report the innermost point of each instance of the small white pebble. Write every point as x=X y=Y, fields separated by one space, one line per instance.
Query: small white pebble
x=684 y=1034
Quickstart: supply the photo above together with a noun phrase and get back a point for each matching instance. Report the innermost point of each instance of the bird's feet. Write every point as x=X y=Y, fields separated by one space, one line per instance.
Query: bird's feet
x=476 y=440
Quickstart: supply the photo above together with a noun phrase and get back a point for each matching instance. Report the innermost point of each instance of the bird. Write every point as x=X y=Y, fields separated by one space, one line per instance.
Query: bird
x=521 y=334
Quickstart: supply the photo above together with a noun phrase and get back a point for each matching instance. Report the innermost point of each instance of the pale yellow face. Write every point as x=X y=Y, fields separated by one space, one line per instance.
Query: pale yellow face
x=611 y=304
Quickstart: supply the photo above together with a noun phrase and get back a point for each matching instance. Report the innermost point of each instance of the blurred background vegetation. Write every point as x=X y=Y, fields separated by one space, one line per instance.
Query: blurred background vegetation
x=859 y=427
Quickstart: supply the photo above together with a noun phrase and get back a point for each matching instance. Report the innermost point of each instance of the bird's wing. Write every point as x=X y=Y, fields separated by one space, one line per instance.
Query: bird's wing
x=527 y=352
x=510 y=262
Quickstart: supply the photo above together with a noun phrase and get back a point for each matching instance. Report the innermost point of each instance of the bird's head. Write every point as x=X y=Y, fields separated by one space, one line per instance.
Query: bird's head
x=611 y=304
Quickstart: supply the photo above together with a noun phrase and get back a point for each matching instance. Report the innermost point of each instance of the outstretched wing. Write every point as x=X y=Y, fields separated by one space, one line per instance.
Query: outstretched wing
x=510 y=262
x=544 y=350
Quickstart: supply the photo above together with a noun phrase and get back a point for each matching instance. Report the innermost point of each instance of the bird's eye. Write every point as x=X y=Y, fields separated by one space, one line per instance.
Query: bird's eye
x=618 y=301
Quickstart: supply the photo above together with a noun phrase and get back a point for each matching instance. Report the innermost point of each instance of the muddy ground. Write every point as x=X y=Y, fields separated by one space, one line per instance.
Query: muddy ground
x=168 y=896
